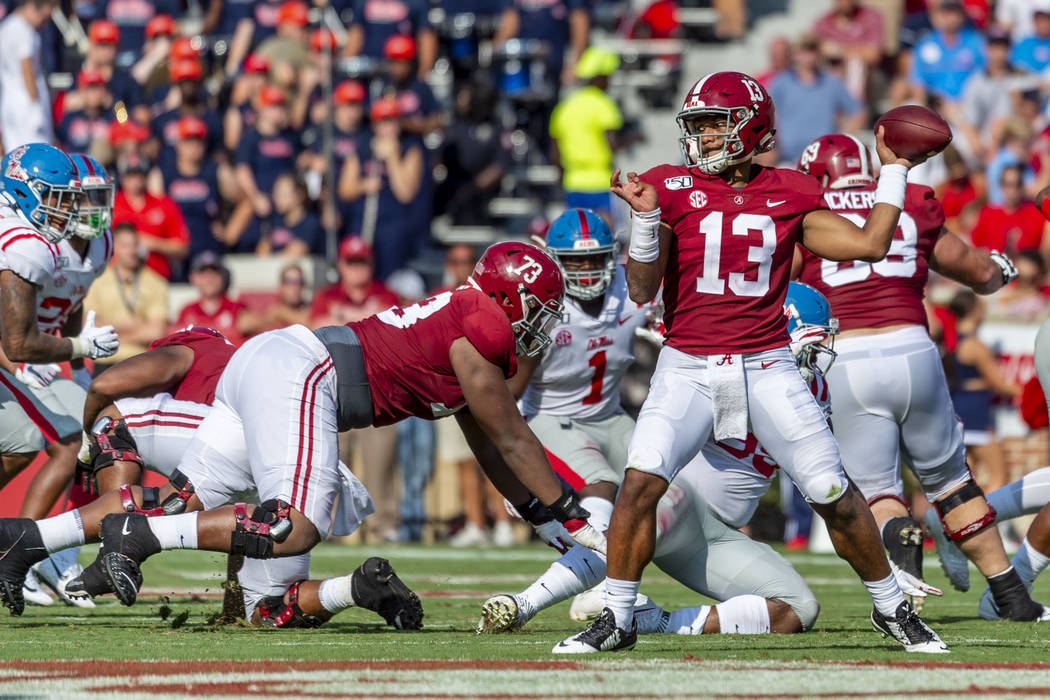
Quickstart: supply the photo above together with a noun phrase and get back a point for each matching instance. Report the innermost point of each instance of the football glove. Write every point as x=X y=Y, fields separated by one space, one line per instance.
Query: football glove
x=37 y=376
x=95 y=341
x=910 y=585
x=554 y=535
x=1006 y=266
x=585 y=534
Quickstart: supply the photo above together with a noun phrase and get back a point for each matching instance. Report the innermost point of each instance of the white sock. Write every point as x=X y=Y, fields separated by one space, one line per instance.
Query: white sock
x=600 y=510
x=886 y=594
x=175 y=531
x=335 y=594
x=744 y=614
x=1029 y=562
x=619 y=597
x=557 y=583
x=688 y=620
x=61 y=531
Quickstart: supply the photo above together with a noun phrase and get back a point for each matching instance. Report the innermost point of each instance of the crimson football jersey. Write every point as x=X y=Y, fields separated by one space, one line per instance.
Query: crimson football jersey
x=211 y=353
x=406 y=352
x=889 y=292
x=730 y=258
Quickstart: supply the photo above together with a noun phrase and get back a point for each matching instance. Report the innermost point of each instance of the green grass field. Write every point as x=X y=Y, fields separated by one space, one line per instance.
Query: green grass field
x=356 y=655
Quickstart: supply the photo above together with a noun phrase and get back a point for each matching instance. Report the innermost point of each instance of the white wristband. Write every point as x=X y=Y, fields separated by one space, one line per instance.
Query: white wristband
x=81 y=348
x=645 y=238
x=893 y=179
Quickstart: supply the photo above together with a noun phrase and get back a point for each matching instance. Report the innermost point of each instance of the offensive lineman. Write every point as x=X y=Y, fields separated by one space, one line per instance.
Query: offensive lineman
x=719 y=233
x=888 y=387
x=285 y=394
x=44 y=275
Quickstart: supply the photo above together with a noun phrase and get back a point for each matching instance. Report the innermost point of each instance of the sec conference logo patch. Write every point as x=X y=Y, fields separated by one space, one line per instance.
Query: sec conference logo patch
x=698 y=199
x=563 y=338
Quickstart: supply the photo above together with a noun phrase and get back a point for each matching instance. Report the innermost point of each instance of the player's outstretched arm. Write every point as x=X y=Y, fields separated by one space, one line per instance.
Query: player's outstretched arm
x=832 y=237
x=19 y=332
x=493 y=408
x=979 y=271
x=520 y=381
x=147 y=374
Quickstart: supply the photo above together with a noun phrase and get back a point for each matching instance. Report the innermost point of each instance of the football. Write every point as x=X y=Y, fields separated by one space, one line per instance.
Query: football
x=913 y=131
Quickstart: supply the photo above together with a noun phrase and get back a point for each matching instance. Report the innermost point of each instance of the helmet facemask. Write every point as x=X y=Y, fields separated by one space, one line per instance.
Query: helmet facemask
x=96 y=208
x=57 y=213
x=813 y=345
x=532 y=332
x=733 y=150
x=586 y=284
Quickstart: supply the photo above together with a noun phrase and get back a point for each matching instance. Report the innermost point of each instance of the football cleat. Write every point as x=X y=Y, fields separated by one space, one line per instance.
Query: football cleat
x=909 y=630
x=33 y=593
x=128 y=541
x=20 y=548
x=988 y=610
x=91 y=582
x=953 y=562
x=602 y=635
x=58 y=570
x=374 y=586
x=502 y=613
x=1007 y=597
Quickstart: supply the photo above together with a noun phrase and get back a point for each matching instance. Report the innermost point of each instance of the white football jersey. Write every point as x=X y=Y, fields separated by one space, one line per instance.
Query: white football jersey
x=732 y=476
x=62 y=278
x=580 y=373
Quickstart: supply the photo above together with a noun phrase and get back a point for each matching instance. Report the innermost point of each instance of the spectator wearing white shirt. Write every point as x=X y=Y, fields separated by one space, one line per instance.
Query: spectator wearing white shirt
x=25 y=106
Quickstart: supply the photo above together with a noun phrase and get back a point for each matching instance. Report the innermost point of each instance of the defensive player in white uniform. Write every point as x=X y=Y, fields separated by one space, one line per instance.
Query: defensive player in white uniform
x=698 y=541
x=890 y=395
x=43 y=280
x=718 y=233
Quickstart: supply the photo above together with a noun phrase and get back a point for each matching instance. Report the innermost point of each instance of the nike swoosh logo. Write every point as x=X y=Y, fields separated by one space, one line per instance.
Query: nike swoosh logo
x=771 y=203
x=624 y=320
x=13 y=545
x=124 y=530
x=767 y=365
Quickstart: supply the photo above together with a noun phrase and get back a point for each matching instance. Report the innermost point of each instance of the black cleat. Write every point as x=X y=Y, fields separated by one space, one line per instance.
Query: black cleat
x=602 y=635
x=92 y=581
x=909 y=630
x=128 y=541
x=20 y=548
x=376 y=587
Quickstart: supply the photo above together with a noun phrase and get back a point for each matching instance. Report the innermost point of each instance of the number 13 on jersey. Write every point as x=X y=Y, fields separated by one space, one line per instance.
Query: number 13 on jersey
x=713 y=281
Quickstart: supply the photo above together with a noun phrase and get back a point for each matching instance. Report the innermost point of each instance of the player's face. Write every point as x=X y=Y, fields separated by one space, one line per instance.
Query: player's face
x=63 y=207
x=582 y=263
x=712 y=129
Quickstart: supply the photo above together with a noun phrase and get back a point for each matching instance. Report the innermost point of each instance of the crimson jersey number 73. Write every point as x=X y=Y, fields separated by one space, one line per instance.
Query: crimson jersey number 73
x=712 y=280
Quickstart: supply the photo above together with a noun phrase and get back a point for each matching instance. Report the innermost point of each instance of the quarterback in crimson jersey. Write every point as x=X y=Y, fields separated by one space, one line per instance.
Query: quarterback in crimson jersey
x=286 y=394
x=891 y=398
x=719 y=234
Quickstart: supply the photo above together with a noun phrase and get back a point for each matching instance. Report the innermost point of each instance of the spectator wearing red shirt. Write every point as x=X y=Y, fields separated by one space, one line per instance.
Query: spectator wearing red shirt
x=855 y=34
x=214 y=308
x=357 y=294
x=157 y=219
x=1016 y=224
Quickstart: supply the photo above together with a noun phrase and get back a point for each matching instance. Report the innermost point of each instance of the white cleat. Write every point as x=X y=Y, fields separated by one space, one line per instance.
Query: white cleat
x=33 y=593
x=909 y=630
x=589 y=604
x=602 y=635
x=58 y=570
x=501 y=613
x=953 y=562
x=470 y=535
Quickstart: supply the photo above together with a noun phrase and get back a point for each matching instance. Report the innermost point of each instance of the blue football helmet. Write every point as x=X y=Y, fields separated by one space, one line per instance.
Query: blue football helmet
x=812 y=329
x=96 y=207
x=40 y=182
x=579 y=233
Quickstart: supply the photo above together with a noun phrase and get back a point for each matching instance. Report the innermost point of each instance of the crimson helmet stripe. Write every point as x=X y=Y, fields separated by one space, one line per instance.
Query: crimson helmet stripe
x=585 y=230
x=865 y=156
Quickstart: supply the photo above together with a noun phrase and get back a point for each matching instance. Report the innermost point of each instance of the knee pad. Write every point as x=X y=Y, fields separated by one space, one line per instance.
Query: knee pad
x=273 y=611
x=113 y=442
x=743 y=614
x=970 y=491
x=255 y=536
x=824 y=481
x=151 y=505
